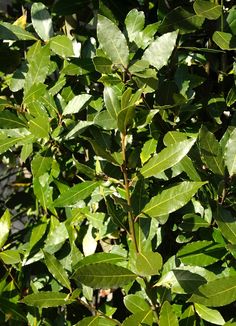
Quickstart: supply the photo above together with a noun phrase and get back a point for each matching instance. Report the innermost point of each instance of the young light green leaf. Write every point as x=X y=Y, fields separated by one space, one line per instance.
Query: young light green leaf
x=167 y=315
x=57 y=270
x=217 y=293
x=140 y=318
x=230 y=153
x=160 y=50
x=47 y=299
x=201 y=253
x=207 y=9
x=77 y=104
x=211 y=315
x=135 y=303
x=62 y=46
x=39 y=126
x=112 y=41
x=211 y=152
x=76 y=193
x=148 y=149
x=37 y=233
x=104 y=275
x=10 y=256
x=7 y=143
x=14 y=33
x=41 y=164
x=96 y=321
x=41 y=21
x=171 y=199
x=225 y=41
x=5 y=226
x=100 y=257
x=188 y=317
x=148 y=263
x=167 y=158
x=134 y=22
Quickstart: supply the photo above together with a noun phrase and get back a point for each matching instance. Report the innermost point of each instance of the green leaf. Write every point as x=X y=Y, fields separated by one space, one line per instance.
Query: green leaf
x=135 y=303
x=181 y=19
x=7 y=143
x=5 y=226
x=77 y=104
x=39 y=126
x=192 y=222
x=139 y=319
x=105 y=120
x=41 y=164
x=231 y=20
x=201 y=253
x=101 y=257
x=225 y=41
x=41 y=21
x=148 y=263
x=96 y=321
x=167 y=315
x=102 y=65
x=125 y=117
x=217 y=293
x=188 y=317
x=134 y=22
x=148 y=149
x=231 y=97
x=111 y=102
x=62 y=45
x=18 y=78
x=167 y=158
x=57 y=270
x=112 y=41
x=47 y=299
x=78 y=66
x=10 y=256
x=12 y=310
x=160 y=50
x=76 y=193
x=104 y=275
x=211 y=315
x=37 y=233
x=210 y=150
x=38 y=68
x=56 y=238
x=207 y=9
x=171 y=199
x=14 y=33
x=230 y=153
x=227 y=224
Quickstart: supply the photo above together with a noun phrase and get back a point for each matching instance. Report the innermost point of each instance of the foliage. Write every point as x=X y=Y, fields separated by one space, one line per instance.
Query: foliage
x=117 y=138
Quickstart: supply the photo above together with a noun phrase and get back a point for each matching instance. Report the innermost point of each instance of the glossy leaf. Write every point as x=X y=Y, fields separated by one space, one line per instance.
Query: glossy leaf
x=47 y=299
x=9 y=120
x=96 y=321
x=225 y=41
x=100 y=257
x=5 y=144
x=104 y=275
x=148 y=263
x=227 y=224
x=57 y=270
x=230 y=154
x=217 y=293
x=10 y=257
x=77 y=104
x=39 y=126
x=201 y=253
x=139 y=318
x=211 y=315
x=160 y=50
x=211 y=153
x=5 y=225
x=14 y=33
x=207 y=9
x=135 y=303
x=167 y=315
x=111 y=102
x=41 y=21
x=112 y=41
x=102 y=65
x=62 y=46
x=171 y=199
x=167 y=158
x=76 y=193
x=134 y=23
x=148 y=149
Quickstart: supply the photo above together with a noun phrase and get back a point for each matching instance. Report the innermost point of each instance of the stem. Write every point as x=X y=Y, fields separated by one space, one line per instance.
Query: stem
x=124 y=169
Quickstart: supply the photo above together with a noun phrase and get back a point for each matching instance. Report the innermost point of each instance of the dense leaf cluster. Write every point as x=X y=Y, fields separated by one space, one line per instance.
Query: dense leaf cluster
x=118 y=142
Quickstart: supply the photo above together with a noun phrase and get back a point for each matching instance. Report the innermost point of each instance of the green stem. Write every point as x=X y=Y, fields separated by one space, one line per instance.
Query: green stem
x=124 y=169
